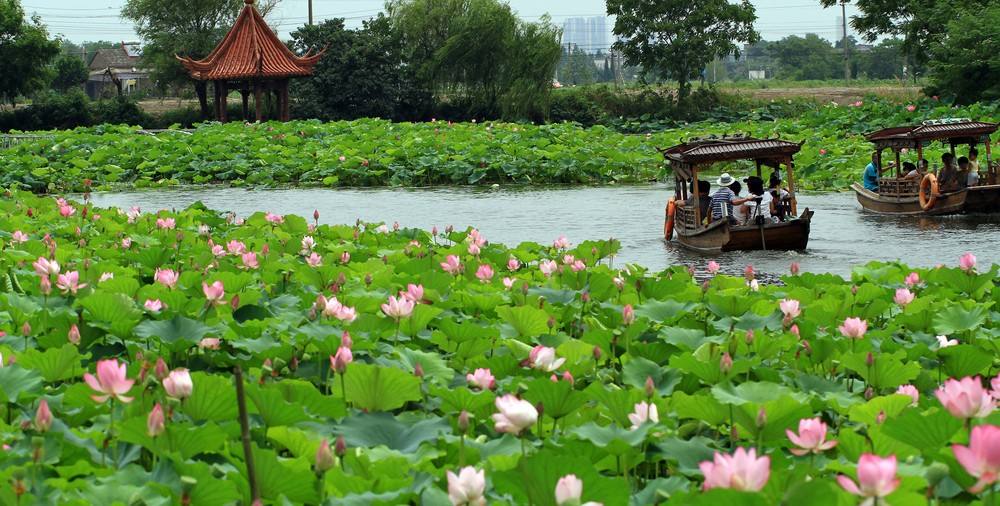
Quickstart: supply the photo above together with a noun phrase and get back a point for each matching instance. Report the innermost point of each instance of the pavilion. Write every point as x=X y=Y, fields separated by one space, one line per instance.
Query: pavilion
x=251 y=59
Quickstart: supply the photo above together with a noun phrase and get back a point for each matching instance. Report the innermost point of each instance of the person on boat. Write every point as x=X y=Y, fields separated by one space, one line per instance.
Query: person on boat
x=948 y=176
x=974 y=159
x=760 y=202
x=969 y=171
x=873 y=173
x=781 y=207
x=724 y=199
x=704 y=199
x=911 y=172
x=739 y=212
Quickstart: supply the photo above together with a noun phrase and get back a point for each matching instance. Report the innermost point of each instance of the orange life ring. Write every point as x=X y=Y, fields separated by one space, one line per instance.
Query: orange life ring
x=668 y=222
x=929 y=182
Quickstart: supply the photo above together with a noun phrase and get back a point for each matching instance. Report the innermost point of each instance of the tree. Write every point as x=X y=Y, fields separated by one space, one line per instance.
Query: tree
x=801 y=58
x=884 y=61
x=68 y=72
x=676 y=39
x=362 y=74
x=25 y=50
x=577 y=67
x=921 y=23
x=183 y=27
x=966 y=63
x=86 y=51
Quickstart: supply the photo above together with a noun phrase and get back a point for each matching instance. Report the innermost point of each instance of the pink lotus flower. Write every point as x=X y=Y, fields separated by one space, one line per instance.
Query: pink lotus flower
x=508 y=283
x=619 y=283
x=968 y=262
x=166 y=277
x=215 y=293
x=43 y=417
x=822 y=151
x=854 y=328
x=340 y=360
x=70 y=282
x=578 y=266
x=944 y=342
x=790 y=308
x=314 y=260
x=482 y=379
x=133 y=214
x=561 y=243
x=45 y=267
x=749 y=273
x=995 y=383
x=876 y=477
x=111 y=381
x=324 y=457
x=794 y=268
x=569 y=489
x=811 y=437
x=155 y=422
x=911 y=108
x=452 y=265
x=628 y=315
x=45 y=285
x=713 y=267
x=66 y=210
x=965 y=398
x=308 y=243
x=413 y=293
x=106 y=277
x=218 y=250
x=209 y=343
x=397 y=309
x=345 y=257
x=514 y=415
x=126 y=242
x=981 y=458
x=544 y=359
x=153 y=305
x=467 y=488
x=513 y=264
x=73 y=335
x=236 y=247
x=726 y=363
x=474 y=249
x=912 y=279
x=903 y=297
x=858 y=103
x=18 y=237
x=166 y=223
x=742 y=470
x=485 y=273
x=274 y=218
x=178 y=384
x=249 y=260
x=911 y=391
x=548 y=267
x=643 y=412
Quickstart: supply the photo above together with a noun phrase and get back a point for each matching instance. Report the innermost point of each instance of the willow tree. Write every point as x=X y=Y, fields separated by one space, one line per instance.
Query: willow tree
x=676 y=39
x=478 y=55
x=25 y=50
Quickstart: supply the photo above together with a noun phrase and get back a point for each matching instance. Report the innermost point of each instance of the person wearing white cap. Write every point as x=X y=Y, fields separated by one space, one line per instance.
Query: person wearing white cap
x=724 y=198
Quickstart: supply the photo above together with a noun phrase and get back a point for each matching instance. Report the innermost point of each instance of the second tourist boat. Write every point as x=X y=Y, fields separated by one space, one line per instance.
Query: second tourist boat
x=685 y=212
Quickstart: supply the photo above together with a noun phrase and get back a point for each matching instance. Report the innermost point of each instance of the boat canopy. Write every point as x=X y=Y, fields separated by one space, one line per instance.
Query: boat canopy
x=708 y=150
x=954 y=131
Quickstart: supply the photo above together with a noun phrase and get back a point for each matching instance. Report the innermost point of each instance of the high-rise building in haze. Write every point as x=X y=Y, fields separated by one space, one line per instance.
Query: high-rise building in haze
x=588 y=34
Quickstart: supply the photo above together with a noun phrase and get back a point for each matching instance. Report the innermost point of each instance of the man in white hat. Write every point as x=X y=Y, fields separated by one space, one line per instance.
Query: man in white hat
x=724 y=198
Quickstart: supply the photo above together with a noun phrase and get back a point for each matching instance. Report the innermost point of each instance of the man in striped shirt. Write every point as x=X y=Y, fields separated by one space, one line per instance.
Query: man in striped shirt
x=724 y=198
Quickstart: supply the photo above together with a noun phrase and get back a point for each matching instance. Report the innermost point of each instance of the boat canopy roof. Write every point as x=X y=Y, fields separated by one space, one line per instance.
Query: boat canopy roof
x=706 y=150
x=955 y=131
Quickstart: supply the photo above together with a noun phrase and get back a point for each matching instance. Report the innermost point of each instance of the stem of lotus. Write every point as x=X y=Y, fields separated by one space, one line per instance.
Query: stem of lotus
x=991 y=497
x=524 y=447
x=241 y=404
x=396 y=339
x=111 y=435
x=461 y=451
x=343 y=388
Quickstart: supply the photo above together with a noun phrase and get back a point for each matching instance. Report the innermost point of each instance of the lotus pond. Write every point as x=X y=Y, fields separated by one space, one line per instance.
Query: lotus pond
x=373 y=152
x=192 y=357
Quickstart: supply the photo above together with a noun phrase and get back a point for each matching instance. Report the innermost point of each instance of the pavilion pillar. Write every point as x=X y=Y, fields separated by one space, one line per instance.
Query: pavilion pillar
x=283 y=101
x=223 y=99
x=218 y=99
x=258 y=100
x=245 y=95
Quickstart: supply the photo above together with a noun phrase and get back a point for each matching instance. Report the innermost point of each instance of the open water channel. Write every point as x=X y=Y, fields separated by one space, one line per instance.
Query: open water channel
x=843 y=236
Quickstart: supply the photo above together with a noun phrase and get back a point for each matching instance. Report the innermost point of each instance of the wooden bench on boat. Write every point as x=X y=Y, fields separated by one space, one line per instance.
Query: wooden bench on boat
x=896 y=195
x=698 y=232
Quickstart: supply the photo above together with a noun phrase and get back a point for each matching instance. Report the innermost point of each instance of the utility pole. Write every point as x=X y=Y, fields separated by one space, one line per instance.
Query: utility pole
x=310 y=12
x=847 y=54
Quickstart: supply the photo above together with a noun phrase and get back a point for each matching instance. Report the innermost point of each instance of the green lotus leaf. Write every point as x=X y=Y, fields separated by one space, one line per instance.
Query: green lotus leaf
x=375 y=388
x=368 y=430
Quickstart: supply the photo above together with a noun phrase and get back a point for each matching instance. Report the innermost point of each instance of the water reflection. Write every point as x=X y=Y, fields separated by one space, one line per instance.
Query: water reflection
x=843 y=236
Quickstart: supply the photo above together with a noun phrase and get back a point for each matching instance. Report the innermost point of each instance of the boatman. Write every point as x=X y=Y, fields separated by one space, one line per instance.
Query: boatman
x=872 y=173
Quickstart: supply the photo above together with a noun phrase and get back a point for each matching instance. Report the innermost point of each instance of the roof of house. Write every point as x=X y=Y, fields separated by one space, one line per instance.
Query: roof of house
x=934 y=130
x=117 y=57
x=250 y=49
x=718 y=149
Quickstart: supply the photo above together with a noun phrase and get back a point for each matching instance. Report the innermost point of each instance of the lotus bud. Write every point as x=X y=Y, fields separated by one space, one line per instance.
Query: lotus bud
x=638 y=285
x=524 y=289
x=31 y=213
x=74 y=334
x=341 y=279
x=340 y=446
x=854 y=289
x=463 y=421
x=316 y=215
x=293 y=365
x=749 y=273
x=449 y=229
x=235 y=303
x=541 y=304
x=806 y=347
x=45 y=285
x=585 y=297
x=43 y=417
x=265 y=250
x=324 y=457
x=705 y=286
x=794 y=268
x=650 y=387
x=551 y=322
x=761 y=418
x=726 y=363
x=143 y=371
x=368 y=279
x=554 y=378
x=869 y=393
x=567 y=376
x=312 y=313
x=749 y=337
x=869 y=359
x=880 y=419
x=795 y=330
x=155 y=423
x=540 y=408
x=418 y=370
x=26 y=329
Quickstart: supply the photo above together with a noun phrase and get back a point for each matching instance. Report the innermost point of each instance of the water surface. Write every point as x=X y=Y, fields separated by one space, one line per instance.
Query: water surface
x=843 y=235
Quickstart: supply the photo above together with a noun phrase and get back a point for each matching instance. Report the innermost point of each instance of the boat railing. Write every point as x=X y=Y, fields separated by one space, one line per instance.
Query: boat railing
x=685 y=218
x=900 y=188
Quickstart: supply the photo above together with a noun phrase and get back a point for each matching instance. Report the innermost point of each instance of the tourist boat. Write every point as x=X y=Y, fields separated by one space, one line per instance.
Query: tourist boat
x=898 y=195
x=694 y=231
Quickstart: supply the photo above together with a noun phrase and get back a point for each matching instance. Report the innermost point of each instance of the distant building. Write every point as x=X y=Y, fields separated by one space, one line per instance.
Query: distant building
x=120 y=65
x=757 y=75
x=588 y=34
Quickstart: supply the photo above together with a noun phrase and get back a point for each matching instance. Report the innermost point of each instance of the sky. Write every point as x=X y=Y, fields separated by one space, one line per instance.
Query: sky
x=98 y=19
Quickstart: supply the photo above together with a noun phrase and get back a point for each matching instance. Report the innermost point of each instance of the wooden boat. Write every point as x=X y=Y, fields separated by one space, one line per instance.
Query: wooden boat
x=898 y=195
x=694 y=231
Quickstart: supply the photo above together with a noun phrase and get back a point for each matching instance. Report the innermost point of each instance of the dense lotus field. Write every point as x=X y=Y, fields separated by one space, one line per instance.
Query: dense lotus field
x=157 y=357
x=375 y=152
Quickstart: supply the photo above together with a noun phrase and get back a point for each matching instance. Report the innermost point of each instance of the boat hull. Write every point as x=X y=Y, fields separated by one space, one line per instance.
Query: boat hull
x=983 y=199
x=947 y=203
x=721 y=236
